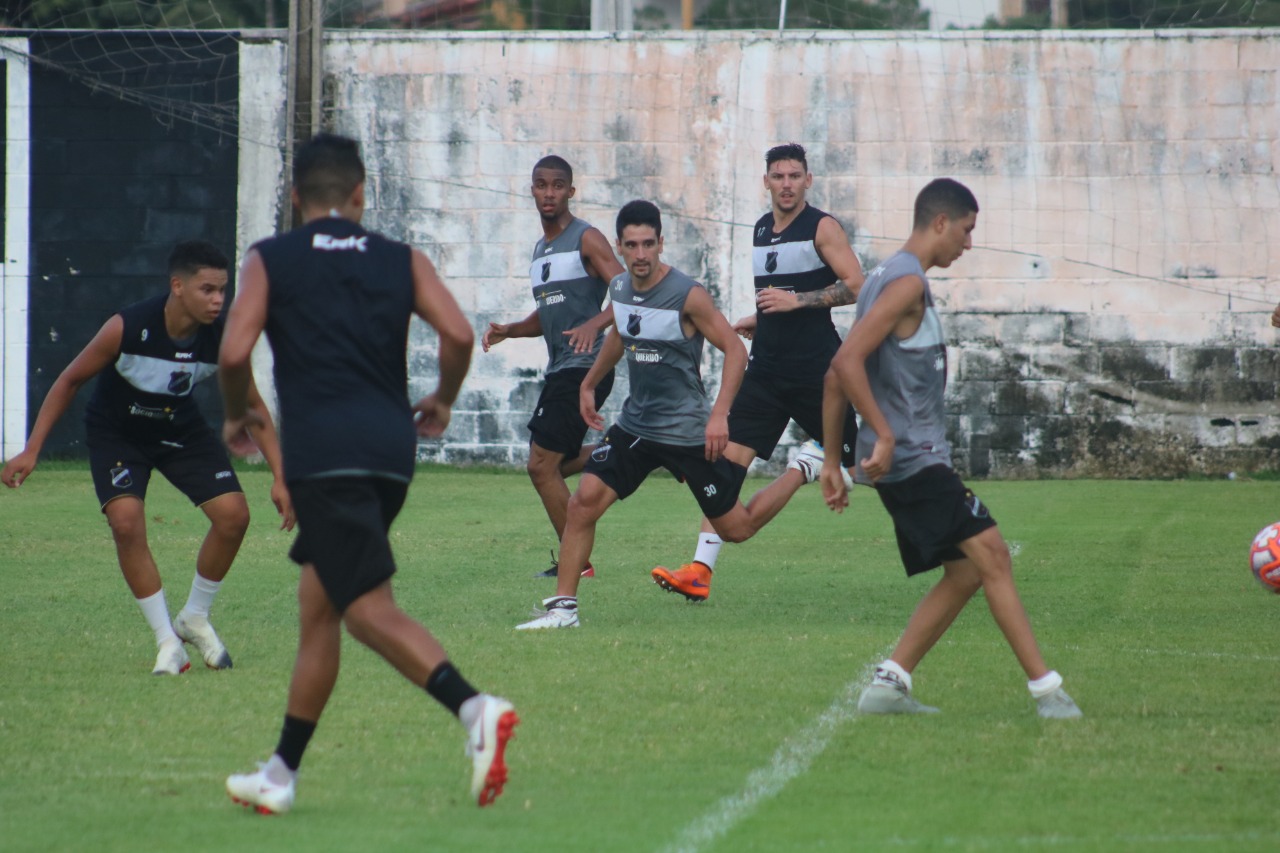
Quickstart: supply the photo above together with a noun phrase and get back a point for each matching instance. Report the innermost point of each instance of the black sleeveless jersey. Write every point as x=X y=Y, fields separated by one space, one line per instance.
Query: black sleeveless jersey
x=146 y=393
x=339 y=303
x=796 y=344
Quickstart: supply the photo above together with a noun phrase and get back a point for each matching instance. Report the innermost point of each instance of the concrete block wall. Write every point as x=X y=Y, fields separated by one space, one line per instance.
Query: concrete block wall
x=1112 y=319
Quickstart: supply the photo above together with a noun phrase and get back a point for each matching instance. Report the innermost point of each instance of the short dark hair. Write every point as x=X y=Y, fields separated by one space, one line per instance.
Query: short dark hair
x=556 y=163
x=191 y=256
x=327 y=169
x=787 y=151
x=943 y=195
x=640 y=212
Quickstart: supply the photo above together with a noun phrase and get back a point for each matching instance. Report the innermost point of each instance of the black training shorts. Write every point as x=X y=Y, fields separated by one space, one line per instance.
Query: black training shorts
x=557 y=424
x=765 y=404
x=623 y=461
x=195 y=462
x=342 y=531
x=933 y=512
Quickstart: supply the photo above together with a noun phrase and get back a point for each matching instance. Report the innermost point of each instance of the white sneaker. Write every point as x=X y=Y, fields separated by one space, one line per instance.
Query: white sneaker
x=197 y=631
x=171 y=659
x=808 y=461
x=487 y=745
x=888 y=694
x=260 y=793
x=1058 y=706
x=561 y=612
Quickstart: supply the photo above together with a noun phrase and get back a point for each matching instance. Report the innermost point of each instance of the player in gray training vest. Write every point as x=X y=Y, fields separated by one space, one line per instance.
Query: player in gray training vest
x=569 y=275
x=661 y=318
x=893 y=368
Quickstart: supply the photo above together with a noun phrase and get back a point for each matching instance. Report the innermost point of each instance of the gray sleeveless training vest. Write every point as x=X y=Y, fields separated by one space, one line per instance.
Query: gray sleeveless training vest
x=565 y=294
x=668 y=402
x=908 y=379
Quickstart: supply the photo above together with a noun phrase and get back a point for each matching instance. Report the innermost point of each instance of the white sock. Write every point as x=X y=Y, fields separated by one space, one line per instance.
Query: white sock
x=201 y=598
x=1045 y=684
x=277 y=772
x=892 y=666
x=156 y=612
x=469 y=710
x=708 y=549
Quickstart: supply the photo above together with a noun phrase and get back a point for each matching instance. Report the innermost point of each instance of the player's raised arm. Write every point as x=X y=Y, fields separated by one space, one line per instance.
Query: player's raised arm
x=97 y=355
x=435 y=304
x=833 y=246
x=599 y=261
x=529 y=327
x=702 y=313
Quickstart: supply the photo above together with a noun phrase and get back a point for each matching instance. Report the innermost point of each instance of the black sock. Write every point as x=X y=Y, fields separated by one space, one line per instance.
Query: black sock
x=447 y=686
x=294 y=737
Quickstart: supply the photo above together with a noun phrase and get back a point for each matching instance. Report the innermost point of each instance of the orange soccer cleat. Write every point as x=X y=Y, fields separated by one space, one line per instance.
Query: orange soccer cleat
x=692 y=580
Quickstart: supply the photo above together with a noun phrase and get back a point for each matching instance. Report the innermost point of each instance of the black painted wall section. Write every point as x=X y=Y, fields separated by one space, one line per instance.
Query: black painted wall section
x=116 y=182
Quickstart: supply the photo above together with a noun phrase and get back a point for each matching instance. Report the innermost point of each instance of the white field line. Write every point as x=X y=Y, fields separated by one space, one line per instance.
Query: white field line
x=791 y=759
x=977 y=842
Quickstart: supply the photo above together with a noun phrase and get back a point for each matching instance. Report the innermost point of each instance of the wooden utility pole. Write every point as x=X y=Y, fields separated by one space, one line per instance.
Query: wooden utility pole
x=1058 y=18
x=612 y=16
x=306 y=74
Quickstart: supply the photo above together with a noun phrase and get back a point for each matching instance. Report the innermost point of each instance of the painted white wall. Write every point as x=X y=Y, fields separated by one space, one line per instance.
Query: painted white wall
x=262 y=179
x=1124 y=265
x=15 y=269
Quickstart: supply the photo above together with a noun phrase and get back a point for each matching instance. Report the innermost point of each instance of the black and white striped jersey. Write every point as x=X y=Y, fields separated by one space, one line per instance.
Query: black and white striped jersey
x=794 y=344
x=147 y=391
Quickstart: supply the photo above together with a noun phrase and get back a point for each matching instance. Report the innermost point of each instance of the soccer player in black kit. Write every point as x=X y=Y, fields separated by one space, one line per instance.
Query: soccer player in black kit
x=335 y=302
x=148 y=357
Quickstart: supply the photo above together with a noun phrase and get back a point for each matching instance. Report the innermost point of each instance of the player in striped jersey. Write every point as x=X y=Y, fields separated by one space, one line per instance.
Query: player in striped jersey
x=142 y=417
x=803 y=267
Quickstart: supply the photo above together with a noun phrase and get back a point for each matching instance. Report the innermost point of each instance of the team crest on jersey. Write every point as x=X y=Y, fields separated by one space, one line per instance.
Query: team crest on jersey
x=546 y=270
x=771 y=262
x=976 y=507
x=633 y=325
x=179 y=382
x=121 y=478
x=601 y=453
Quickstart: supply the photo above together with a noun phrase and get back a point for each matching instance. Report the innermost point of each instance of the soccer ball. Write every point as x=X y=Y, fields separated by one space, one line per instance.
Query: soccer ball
x=1264 y=557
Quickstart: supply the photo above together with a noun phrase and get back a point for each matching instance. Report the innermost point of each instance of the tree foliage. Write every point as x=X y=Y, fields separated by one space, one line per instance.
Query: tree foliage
x=133 y=14
x=815 y=15
x=1149 y=14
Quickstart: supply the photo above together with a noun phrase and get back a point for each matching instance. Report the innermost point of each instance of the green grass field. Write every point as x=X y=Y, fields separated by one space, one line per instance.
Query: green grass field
x=661 y=725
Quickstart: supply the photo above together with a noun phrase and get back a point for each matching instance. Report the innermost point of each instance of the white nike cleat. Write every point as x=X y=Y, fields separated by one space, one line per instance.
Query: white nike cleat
x=889 y=694
x=197 y=631
x=487 y=745
x=1058 y=706
x=561 y=612
x=260 y=793
x=171 y=659
x=809 y=461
